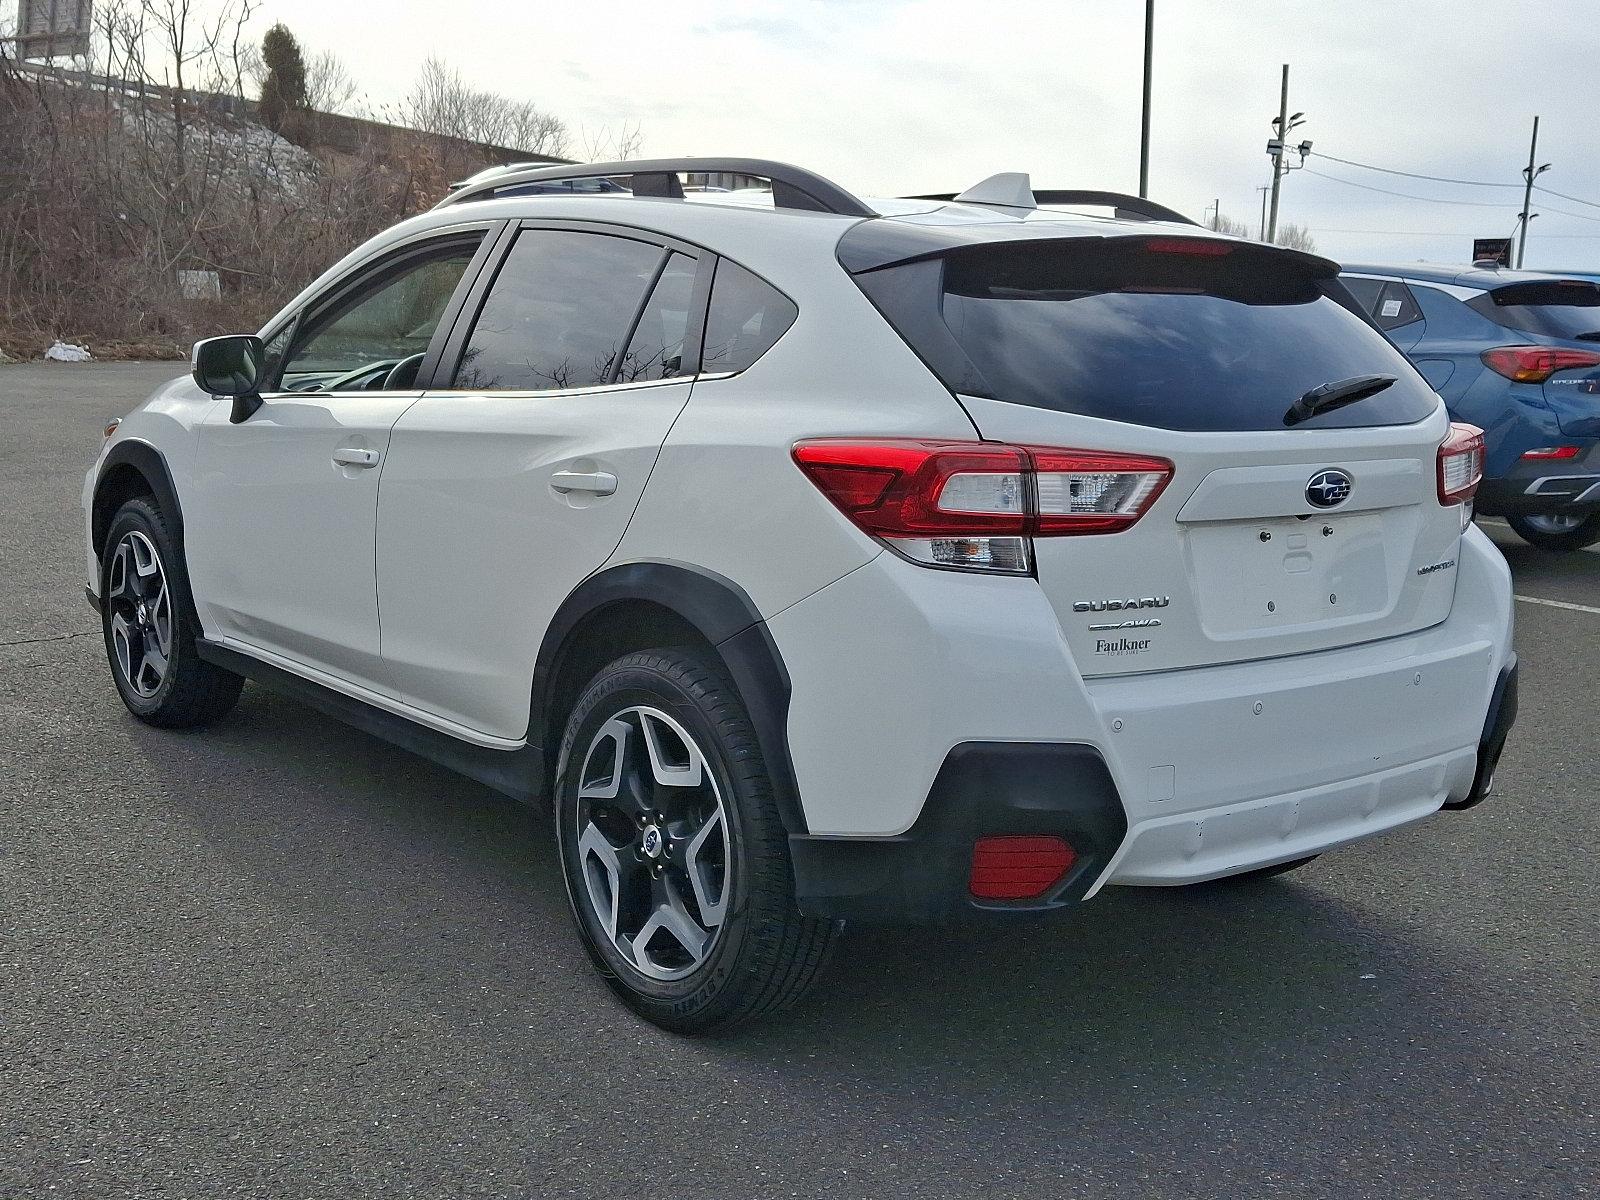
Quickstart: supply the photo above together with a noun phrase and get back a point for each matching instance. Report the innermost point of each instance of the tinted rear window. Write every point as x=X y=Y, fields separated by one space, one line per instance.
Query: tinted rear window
x=1118 y=329
x=1560 y=308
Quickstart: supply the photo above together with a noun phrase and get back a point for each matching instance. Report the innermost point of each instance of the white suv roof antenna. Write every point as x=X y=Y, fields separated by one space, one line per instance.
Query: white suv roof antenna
x=1009 y=189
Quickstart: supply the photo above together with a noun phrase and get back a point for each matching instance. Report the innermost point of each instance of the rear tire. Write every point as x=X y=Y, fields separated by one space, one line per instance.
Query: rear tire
x=147 y=617
x=1557 y=534
x=675 y=858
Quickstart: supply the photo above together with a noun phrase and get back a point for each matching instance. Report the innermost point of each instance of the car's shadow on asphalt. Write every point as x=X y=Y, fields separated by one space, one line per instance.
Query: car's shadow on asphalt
x=451 y=895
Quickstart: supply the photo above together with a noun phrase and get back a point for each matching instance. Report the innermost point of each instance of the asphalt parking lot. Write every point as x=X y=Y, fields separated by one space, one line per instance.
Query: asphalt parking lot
x=280 y=959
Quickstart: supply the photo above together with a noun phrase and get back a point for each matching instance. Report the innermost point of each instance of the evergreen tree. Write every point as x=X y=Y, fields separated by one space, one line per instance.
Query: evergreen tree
x=283 y=91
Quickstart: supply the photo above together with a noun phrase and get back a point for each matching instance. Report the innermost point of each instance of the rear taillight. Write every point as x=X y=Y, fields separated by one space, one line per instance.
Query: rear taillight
x=974 y=505
x=1460 y=463
x=1535 y=364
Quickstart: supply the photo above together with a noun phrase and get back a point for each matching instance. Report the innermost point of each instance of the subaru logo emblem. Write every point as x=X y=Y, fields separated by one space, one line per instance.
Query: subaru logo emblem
x=1329 y=488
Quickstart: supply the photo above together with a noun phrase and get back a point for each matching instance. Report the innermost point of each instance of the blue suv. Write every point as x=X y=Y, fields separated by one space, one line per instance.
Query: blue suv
x=1518 y=354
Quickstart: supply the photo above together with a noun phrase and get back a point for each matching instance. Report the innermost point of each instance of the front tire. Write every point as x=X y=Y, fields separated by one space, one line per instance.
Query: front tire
x=1558 y=534
x=675 y=858
x=147 y=617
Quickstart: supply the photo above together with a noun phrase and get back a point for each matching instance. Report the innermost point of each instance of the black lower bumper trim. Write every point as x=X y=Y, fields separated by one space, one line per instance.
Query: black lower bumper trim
x=1496 y=726
x=94 y=601
x=983 y=789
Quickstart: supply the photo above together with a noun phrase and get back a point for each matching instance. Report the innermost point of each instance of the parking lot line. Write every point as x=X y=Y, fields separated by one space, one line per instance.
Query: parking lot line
x=1583 y=608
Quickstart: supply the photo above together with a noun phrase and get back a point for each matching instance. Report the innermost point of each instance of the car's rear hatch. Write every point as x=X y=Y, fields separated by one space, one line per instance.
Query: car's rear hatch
x=1567 y=310
x=1274 y=536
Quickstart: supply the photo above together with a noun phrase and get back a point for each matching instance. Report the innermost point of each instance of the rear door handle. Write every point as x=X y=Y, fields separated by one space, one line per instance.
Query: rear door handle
x=601 y=483
x=350 y=456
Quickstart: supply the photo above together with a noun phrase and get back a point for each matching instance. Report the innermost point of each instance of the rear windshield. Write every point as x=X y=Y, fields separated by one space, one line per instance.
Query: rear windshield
x=1561 y=308
x=1137 y=330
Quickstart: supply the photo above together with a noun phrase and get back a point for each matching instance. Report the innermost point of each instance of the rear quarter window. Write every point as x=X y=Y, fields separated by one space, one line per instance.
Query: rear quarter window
x=1114 y=329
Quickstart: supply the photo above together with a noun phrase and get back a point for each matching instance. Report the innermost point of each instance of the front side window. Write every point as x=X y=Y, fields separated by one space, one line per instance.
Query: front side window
x=359 y=341
x=558 y=313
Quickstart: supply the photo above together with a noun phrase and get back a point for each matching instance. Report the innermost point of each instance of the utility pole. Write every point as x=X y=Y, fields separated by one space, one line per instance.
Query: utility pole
x=1144 y=127
x=1263 y=191
x=1530 y=174
x=1277 y=159
x=1215 y=209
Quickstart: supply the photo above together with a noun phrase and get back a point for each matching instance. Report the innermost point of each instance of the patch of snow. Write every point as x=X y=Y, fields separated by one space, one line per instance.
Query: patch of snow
x=67 y=352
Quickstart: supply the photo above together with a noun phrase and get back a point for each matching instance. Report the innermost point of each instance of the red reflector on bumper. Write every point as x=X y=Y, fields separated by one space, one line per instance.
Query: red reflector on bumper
x=1018 y=868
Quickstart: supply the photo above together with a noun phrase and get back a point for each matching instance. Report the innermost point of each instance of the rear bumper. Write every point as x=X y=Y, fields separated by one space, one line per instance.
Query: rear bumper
x=1216 y=770
x=984 y=789
x=1545 y=485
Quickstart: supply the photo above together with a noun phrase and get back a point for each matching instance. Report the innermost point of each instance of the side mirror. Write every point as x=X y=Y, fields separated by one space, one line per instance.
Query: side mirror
x=231 y=367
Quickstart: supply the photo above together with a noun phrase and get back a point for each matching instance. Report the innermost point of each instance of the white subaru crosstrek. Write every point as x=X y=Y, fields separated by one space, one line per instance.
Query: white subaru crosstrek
x=821 y=560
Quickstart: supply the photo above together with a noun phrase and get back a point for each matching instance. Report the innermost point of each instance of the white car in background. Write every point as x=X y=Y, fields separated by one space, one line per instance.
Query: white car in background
x=892 y=560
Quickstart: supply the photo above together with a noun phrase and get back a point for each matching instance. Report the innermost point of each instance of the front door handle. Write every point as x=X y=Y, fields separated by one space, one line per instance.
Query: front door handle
x=350 y=456
x=601 y=483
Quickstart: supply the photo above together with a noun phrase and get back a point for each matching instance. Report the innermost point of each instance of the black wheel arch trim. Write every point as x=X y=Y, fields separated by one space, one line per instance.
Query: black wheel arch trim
x=151 y=464
x=725 y=616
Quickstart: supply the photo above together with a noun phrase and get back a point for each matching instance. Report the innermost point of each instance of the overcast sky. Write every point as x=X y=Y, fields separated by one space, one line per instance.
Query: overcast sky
x=900 y=96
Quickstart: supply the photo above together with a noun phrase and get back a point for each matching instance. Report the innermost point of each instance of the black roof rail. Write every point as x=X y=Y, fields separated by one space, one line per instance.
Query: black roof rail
x=792 y=187
x=1125 y=207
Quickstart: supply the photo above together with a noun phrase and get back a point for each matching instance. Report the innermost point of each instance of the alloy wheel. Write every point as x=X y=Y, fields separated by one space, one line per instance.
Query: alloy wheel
x=140 y=605
x=654 y=848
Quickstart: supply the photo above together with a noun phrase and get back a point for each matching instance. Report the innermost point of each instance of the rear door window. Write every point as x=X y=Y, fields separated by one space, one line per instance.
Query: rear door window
x=656 y=349
x=558 y=313
x=1151 y=331
x=1365 y=291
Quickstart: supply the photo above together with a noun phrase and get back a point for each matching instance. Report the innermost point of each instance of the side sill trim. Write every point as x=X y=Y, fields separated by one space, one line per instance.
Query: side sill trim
x=516 y=773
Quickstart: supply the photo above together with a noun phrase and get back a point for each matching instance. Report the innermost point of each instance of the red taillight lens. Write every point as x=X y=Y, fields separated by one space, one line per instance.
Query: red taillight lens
x=909 y=488
x=904 y=488
x=1535 y=364
x=1552 y=452
x=1018 y=868
x=1460 y=463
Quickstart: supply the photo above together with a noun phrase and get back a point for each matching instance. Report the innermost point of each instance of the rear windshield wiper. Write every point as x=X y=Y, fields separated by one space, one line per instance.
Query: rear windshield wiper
x=1587 y=337
x=1329 y=396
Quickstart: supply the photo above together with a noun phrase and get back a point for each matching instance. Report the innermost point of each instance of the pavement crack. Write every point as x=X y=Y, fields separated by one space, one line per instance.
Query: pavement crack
x=54 y=637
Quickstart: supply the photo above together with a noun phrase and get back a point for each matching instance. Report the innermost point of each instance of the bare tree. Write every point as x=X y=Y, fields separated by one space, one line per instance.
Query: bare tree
x=1297 y=237
x=330 y=88
x=1222 y=223
x=441 y=102
x=608 y=145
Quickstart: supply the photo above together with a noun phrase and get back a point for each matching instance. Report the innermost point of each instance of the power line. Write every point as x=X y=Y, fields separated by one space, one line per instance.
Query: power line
x=1350 y=162
x=1405 y=195
x=1564 y=196
x=1584 y=237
